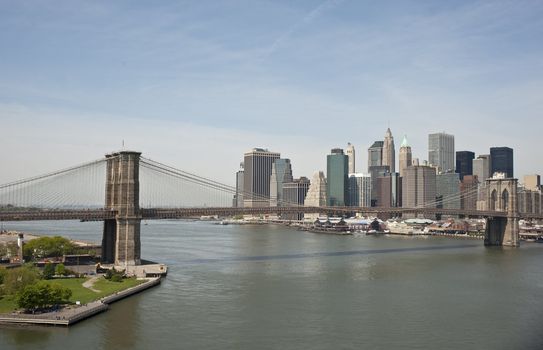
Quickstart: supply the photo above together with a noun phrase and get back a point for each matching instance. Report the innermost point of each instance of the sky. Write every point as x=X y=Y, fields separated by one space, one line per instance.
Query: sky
x=195 y=84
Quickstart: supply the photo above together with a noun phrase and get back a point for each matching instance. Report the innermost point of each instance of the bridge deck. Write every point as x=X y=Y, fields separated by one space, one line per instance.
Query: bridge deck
x=180 y=213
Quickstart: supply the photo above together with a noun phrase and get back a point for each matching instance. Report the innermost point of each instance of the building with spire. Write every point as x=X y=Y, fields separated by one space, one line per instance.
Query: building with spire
x=351 y=154
x=406 y=156
x=389 y=152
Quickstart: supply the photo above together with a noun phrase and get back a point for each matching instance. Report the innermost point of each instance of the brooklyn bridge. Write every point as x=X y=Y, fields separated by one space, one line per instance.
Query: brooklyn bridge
x=124 y=188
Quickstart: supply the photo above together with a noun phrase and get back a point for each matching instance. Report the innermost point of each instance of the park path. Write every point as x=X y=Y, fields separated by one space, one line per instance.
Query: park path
x=90 y=283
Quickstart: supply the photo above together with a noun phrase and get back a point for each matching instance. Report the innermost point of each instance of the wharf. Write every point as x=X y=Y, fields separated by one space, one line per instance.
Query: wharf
x=71 y=315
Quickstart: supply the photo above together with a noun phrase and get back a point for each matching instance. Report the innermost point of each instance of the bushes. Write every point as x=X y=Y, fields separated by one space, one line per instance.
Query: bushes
x=42 y=295
x=48 y=271
x=114 y=275
x=60 y=270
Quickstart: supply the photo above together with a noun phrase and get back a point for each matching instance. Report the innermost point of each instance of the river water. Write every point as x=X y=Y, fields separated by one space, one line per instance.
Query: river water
x=272 y=287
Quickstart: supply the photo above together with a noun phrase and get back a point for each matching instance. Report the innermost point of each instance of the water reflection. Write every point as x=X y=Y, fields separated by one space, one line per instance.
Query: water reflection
x=23 y=337
x=121 y=329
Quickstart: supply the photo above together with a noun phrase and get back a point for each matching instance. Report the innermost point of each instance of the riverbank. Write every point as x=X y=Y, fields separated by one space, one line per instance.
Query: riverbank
x=75 y=313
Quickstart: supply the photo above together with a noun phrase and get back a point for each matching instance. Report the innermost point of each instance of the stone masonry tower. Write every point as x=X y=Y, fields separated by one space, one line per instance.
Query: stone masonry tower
x=502 y=196
x=121 y=238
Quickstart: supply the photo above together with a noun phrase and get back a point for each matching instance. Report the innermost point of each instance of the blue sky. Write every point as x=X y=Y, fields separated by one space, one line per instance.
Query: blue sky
x=196 y=83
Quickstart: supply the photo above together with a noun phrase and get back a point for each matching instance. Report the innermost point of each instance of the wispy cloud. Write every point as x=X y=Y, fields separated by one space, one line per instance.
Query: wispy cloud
x=306 y=20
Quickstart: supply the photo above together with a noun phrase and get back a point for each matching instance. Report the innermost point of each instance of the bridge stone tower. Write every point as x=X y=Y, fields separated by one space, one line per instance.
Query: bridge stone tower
x=501 y=195
x=121 y=238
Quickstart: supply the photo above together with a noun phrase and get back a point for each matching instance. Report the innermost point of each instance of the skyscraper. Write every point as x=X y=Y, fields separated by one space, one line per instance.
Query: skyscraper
x=389 y=190
x=351 y=154
x=316 y=195
x=294 y=193
x=376 y=172
x=337 y=168
x=238 y=198
x=359 y=190
x=281 y=173
x=501 y=160
x=448 y=190
x=375 y=154
x=406 y=157
x=389 y=152
x=441 y=151
x=256 y=180
x=419 y=187
x=464 y=163
x=469 y=193
x=481 y=167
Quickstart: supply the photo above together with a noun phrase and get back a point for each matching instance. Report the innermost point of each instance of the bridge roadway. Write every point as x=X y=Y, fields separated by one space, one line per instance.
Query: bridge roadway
x=180 y=213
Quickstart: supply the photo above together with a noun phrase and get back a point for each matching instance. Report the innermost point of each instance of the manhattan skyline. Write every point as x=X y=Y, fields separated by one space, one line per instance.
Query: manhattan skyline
x=198 y=84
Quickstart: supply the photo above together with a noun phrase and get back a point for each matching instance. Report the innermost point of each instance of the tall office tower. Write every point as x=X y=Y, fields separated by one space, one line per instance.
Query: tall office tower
x=281 y=173
x=441 y=151
x=360 y=190
x=337 y=170
x=316 y=195
x=529 y=201
x=375 y=154
x=238 y=198
x=448 y=190
x=351 y=154
x=406 y=157
x=389 y=188
x=532 y=182
x=469 y=192
x=501 y=160
x=389 y=152
x=481 y=167
x=419 y=187
x=377 y=171
x=256 y=180
x=294 y=194
x=464 y=163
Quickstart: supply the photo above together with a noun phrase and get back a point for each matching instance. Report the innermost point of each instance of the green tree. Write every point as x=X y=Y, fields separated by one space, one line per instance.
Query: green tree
x=45 y=247
x=48 y=271
x=42 y=295
x=18 y=278
x=60 y=270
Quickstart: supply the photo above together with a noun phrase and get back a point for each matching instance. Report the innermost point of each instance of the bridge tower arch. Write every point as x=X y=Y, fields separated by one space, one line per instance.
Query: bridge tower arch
x=121 y=236
x=501 y=196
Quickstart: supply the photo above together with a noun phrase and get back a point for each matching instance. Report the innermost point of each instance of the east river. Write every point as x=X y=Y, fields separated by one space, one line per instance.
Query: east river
x=272 y=287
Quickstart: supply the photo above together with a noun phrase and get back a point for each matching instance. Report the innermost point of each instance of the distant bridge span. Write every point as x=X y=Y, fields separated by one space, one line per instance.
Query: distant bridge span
x=182 y=213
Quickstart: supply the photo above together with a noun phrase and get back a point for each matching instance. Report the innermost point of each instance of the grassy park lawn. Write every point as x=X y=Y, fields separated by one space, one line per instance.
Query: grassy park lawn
x=85 y=295
x=7 y=304
x=79 y=293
